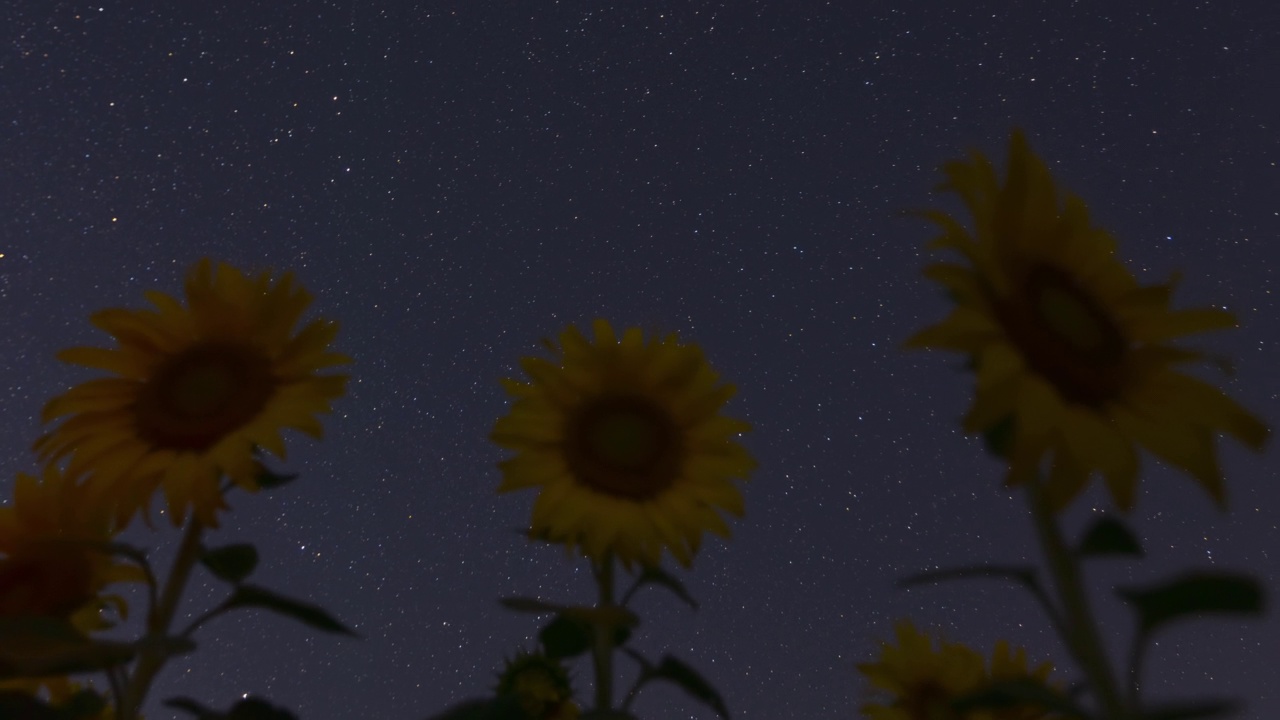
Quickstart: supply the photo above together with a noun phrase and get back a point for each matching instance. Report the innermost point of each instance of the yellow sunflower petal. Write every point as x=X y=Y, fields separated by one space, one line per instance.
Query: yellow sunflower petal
x=623 y=439
x=194 y=388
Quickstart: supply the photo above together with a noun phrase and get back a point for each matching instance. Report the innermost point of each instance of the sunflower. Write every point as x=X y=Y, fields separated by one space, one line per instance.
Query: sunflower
x=1071 y=353
x=196 y=389
x=625 y=440
x=921 y=682
x=53 y=559
x=540 y=686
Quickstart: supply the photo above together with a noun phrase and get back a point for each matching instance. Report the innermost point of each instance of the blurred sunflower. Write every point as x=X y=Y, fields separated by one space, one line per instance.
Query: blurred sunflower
x=625 y=440
x=1071 y=353
x=921 y=683
x=540 y=686
x=53 y=559
x=196 y=390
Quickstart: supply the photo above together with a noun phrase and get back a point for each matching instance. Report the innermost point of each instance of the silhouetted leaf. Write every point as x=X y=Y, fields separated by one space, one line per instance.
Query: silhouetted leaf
x=258 y=709
x=1195 y=594
x=316 y=617
x=185 y=703
x=677 y=672
x=565 y=637
x=1109 y=536
x=232 y=563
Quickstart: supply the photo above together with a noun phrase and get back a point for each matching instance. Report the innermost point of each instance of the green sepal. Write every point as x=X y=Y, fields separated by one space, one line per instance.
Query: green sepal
x=84 y=703
x=1109 y=536
x=232 y=563
x=999 y=437
x=1021 y=692
x=1194 y=594
x=313 y=615
x=37 y=646
x=1193 y=711
x=270 y=480
x=676 y=671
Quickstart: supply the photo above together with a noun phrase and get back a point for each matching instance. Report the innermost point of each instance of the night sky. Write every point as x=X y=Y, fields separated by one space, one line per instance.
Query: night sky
x=455 y=181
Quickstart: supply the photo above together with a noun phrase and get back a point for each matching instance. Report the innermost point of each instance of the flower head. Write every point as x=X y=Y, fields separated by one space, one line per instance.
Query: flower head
x=919 y=682
x=625 y=440
x=53 y=559
x=1072 y=354
x=540 y=685
x=195 y=389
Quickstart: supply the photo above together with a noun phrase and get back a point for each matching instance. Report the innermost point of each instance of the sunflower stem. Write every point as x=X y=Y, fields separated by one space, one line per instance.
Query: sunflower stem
x=152 y=655
x=602 y=648
x=1081 y=631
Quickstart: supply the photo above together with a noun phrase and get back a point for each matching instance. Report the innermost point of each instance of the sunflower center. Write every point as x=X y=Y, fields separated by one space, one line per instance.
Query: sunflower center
x=200 y=396
x=1067 y=337
x=625 y=447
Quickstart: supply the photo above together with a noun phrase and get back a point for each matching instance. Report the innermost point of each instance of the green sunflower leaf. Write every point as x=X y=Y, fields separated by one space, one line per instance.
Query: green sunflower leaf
x=1194 y=594
x=1109 y=536
x=678 y=672
x=185 y=703
x=258 y=709
x=565 y=637
x=1193 y=711
x=248 y=709
x=232 y=563
x=316 y=617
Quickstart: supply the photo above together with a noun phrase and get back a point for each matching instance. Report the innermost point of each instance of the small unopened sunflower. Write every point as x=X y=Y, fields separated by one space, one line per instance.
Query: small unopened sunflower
x=196 y=389
x=919 y=682
x=540 y=686
x=625 y=439
x=1072 y=354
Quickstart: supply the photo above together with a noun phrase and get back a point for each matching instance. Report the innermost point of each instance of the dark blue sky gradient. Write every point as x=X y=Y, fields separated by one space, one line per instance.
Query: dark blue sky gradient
x=457 y=180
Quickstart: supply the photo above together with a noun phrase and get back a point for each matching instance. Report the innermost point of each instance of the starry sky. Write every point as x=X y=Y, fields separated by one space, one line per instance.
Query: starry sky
x=457 y=180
